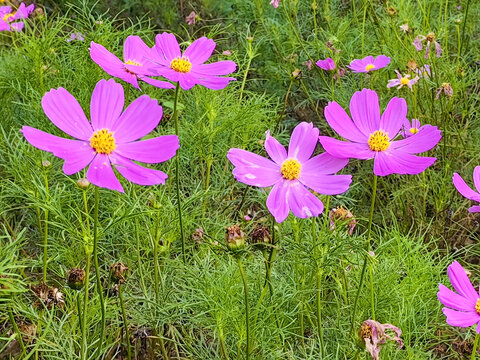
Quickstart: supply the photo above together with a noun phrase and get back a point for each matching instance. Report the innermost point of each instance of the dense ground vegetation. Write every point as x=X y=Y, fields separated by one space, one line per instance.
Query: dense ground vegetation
x=420 y=223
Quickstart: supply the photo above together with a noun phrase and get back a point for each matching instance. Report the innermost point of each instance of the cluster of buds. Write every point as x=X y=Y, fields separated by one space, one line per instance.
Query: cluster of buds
x=49 y=296
x=342 y=216
x=374 y=334
x=235 y=238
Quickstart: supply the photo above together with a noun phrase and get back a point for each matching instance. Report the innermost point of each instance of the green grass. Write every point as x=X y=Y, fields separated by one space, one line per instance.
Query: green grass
x=420 y=223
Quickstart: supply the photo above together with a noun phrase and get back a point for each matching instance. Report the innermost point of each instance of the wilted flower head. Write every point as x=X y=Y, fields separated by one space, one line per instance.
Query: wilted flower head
x=466 y=191
x=235 y=238
x=446 y=88
x=227 y=53
x=402 y=81
x=424 y=71
x=308 y=64
x=275 y=3
x=328 y=64
x=297 y=74
x=118 y=271
x=260 y=235
x=76 y=36
x=462 y=308
x=369 y=63
x=405 y=28
x=197 y=235
x=339 y=74
x=76 y=278
x=49 y=296
x=342 y=216
x=191 y=18
x=8 y=17
x=374 y=334
x=429 y=39
x=391 y=11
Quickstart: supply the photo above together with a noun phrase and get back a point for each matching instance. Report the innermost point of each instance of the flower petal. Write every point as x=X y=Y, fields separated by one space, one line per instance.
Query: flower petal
x=100 y=173
x=381 y=61
x=302 y=202
x=399 y=162
x=106 y=104
x=476 y=177
x=394 y=116
x=134 y=49
x=111 y=64
x=460 y=281
x=277 y=201
x=365 y=111
x=138 y=174
x=213 y=82
x=464 y=189
x=138 y=119
x=339 y=120
x=452 y=300
x=474 y=209
x=323 y=164
x=275 y=150
x=65 y=112
x=158 y=83
x=327 y=184
x=200 y=50
x=420 y=142
x=167 y=47
x=460 y=318
x=303 y=141
x=150 y=151
x=345 y=149
x=223 y=67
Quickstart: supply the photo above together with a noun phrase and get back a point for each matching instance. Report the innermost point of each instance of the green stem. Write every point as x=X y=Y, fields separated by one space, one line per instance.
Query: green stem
x=155 y=260
x=17 y=331
x=463 y=26
x=251 y=55
x=125 y=323
x=475 y=345
x=284 y=107
x=367 y=248
x=247 y=317
x=85 y=311
x=318 y=274
x=45 y=234
x=97 y=270
x=177 y=172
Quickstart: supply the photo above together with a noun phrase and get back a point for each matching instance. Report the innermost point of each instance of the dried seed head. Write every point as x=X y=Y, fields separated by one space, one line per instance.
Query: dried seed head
x=365 y=331
x=391 y=11
x=412 y=65
x=260 y=235
x=431 y=37
x=118 y=272
x=342 y=216
x=49 y=296
x=76 y=278
x=83 y=183
x=297 y=74
x=197 y=235
x=235 y=238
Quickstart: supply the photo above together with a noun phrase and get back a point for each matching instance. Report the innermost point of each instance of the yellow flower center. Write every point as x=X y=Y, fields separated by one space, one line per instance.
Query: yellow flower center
x=369 y=67
x=414 y=130
x=291 y=169
x=379 y=141
x=103 y=142
x=133 y=62
x=404 y=81
x=181 y=64
x=477 y=307
x=8 y=17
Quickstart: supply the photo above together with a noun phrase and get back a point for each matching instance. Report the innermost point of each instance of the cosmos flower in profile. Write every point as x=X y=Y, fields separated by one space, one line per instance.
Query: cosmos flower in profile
x=369 y=63
x=109 y=140
x=372 y=136
x=466 y=191
x=8 y=17
x=328 y=64
x=292 y=173
x=189 y=68
x=136 y=64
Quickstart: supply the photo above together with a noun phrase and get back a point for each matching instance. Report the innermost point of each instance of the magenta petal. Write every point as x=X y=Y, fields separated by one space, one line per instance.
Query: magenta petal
x=77 y=154
x=365 y=111
x=138 y=174
x=460 y=318
x=150 y=151
x=474 y=209
x=476 y=177
x=17 y=26
x=399 y=162
x=381 y=61
x=138 y=119
x=275 y=150
x=167 y=47
x=224 y=67
x=277 y=201
x=100 y=173
x=187 y=81
x=460 y=281
x=464 y=189
x=323 y=164
x=65 y=112
x=253 y=169
x=135 y=50
x=111 y=64
x=213 y=82
x=345 y=149
x=303 y=141
x=394 y=116
x=4 y=10
x=302 y=202
x=4 y=26
x=200 y=50
x=327 y=184
x=106 y=104
x=168 y=73
x=338 y=119
x=158 y=83
x=452 y=300
x=420 y=142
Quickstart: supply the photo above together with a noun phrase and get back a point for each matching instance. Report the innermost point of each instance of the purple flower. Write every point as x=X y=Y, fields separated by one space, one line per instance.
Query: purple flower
x=411 y=129
x=466 y=191
x=424 y=71
x=374 y=334
x=275 y=3
x=291 y=173
x=109 y=139
x=371 y=136
x=76 y=36
x=135 y=65
x=369 y=63
x=446 y=88
x=402 y=81
x=191 y=18
x=429 y=39
x=463 y=306
x=189 y=68
x=8 y=17
x=328 y=64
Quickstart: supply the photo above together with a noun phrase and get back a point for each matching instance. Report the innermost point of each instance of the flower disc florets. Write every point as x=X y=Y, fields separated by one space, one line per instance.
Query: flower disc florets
x=8 y=17
x=404 y=81
x=477 y=306
x=369 y=67
x=181 y=64
x=291 y=169
x=379 y=141
x=103 y=142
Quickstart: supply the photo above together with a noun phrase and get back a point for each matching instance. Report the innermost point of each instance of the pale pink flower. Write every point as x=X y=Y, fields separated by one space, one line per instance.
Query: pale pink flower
x=191 y=18
x=402 y=81
x=429 y=39
x=275 y=3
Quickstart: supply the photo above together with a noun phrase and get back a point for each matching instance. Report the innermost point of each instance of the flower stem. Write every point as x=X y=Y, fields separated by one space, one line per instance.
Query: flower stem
x=318 y=274
x=85 y=308
x=97 y=270
x=475 y=345
x=45 y=234
x=280 y=117
x=125 y=323
x=367 y=248
x=247 y=318
x=17 y=331
x=177 y=171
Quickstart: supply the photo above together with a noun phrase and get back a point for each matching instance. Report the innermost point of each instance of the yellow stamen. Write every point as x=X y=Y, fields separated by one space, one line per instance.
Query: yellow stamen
x=181 y=64
x=8 y=17
x=379 y=141
x=291 y=169
x=103 y=142
x=477 y=307
x=404 y=81
x=133 y=62
x=369 y=67
x=414 y=130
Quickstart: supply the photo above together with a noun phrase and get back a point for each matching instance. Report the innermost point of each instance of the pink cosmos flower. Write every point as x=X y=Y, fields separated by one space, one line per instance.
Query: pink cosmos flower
x=109 y=139
x=328 y=64
x=291 y=173
x=135 y=65
x=369 y=63
x=275 y=3
x=429 y=39
x=189 y=68
x=8 y=17
x=402 y=81
x=466 y=191
x=409 y=129
x=371 y=136
x=76 y=36
x=463 y=306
